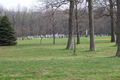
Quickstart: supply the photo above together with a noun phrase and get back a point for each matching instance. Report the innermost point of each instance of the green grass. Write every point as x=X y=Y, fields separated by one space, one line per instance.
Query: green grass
x=30 y=60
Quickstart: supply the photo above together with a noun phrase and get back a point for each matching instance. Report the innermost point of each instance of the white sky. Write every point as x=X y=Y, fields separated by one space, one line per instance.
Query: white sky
x=13 y=3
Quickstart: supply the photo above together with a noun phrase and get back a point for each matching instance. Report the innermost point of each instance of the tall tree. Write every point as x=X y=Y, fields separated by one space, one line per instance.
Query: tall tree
x=7 y=33
x=91 y=25
x=118 y=26
x=71 y=27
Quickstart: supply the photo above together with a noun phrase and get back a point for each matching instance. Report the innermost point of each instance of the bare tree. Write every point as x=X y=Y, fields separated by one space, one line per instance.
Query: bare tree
x=2 y=10
x=18 y=20
x=31 y=20
x=53 y=22
x=109 y=5
x=23 y=18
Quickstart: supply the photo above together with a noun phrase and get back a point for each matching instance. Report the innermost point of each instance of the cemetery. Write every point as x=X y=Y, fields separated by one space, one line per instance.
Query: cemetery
x=60 y=40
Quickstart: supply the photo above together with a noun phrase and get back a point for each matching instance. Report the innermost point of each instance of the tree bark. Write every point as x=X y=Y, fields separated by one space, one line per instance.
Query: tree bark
x=53 y=23
x=118 y=24
x=116 y=35
x=112 y=21
x=77 y=25
x=91 y=26
x=71 y=27
x=74 y=46
x=53 y=34
x=41 y=40
x=116 y=30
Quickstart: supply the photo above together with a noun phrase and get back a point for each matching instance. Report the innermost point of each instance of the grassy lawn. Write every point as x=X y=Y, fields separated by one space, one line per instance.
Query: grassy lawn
x=30 y=60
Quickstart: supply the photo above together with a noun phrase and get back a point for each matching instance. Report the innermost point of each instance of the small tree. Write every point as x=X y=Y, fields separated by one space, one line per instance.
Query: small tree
x=7 y=33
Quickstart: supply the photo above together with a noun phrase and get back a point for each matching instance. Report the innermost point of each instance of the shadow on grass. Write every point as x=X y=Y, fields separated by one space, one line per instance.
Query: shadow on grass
x=28 y=45
x=34 y=44
x=87 y=51
x=111 y=57
x=113 y=46
x=66 y=49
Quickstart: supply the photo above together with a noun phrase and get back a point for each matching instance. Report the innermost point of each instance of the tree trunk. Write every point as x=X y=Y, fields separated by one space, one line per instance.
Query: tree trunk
x=116 y=35
x=53 y=34
x=41 y=40
x=118 y=24
x=91 y=26
x=77 y=25
x=112 y=21
x=116 y=30
x=71 y=27
x=53 y=23
x=74 y=46
x=31 y=30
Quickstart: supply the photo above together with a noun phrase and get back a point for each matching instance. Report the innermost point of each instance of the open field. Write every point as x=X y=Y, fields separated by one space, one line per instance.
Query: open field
x=30 y=60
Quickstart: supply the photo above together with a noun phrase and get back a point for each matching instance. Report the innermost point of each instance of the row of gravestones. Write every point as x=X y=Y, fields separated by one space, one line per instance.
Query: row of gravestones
x=24 y=38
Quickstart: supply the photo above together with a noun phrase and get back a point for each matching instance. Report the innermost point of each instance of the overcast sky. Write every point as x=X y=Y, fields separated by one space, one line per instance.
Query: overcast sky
x=13 y=3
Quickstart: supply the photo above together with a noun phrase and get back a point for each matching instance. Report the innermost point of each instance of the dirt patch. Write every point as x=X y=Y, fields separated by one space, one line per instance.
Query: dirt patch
x=1 y=47
x=15 y=74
